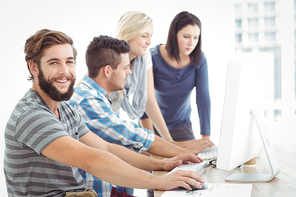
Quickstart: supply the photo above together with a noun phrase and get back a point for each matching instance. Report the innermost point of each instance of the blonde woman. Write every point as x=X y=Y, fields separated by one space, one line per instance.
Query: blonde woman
x=136 y=29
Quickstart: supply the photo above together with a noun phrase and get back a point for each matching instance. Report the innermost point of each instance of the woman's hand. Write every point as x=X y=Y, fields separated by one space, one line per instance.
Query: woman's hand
x=173 y=162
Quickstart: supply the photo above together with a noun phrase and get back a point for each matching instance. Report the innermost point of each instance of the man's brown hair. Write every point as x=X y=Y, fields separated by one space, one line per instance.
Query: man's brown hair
x=103 y=51
x=42 y=39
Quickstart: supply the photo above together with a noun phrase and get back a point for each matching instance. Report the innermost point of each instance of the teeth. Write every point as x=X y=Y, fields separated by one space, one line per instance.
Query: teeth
x=62 y=81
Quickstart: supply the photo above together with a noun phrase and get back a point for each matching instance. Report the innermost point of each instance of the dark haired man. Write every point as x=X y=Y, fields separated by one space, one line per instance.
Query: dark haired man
x=108 y=68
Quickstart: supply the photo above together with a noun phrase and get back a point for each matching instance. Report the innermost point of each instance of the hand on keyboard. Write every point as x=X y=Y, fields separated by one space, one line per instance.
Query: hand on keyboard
x=198 y=168
x=209 y=153
x=196 y=146
x=170 y=163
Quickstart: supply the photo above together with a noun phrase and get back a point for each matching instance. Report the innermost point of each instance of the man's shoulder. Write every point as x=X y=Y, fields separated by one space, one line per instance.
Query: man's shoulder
x=84 y=91
x=28 y=111
x=82 y=94
x=31 y=102
x=77 y=97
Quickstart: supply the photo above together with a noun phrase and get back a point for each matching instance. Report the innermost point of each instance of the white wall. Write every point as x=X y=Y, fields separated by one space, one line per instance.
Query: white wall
x=82 y=20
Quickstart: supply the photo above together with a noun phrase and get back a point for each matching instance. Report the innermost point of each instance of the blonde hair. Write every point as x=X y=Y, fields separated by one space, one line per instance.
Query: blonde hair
x=132 y=24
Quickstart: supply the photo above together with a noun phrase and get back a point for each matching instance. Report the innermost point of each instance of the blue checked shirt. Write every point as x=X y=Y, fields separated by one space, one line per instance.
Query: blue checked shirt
x=93 y=103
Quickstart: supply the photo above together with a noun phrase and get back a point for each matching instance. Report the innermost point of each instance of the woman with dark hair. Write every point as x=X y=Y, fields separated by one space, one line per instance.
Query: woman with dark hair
x=179 y=66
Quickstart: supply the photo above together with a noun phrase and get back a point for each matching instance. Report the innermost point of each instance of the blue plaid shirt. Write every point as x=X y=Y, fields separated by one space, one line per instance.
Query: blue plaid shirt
x=93 y=103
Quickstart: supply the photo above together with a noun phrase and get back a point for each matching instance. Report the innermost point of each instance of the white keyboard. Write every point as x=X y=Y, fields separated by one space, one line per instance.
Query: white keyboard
x=209 y=153
x=198 y=168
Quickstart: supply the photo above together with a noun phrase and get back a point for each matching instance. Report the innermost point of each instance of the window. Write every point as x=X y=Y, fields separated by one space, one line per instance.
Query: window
x=253 y=22
x=253 y=7
x=269 y=6
x=238 y=23
x=253 y=37
x=238 y=38
x=238 y=8
x=277 y=70
x=295 y=78
x=270 y=36
x=246 y=50
x=269 y=21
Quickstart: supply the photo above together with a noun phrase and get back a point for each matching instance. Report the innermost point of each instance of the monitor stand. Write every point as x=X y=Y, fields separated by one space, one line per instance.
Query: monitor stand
x=272 y=160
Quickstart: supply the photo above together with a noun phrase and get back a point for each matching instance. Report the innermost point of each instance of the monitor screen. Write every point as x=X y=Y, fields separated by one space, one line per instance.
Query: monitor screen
x=244 y=103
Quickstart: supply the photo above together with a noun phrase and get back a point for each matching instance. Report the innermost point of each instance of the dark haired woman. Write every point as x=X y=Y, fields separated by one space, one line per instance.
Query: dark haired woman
x=179 y=66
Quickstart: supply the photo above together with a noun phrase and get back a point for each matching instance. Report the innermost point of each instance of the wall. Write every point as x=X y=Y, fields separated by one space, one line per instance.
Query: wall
x=82 y=20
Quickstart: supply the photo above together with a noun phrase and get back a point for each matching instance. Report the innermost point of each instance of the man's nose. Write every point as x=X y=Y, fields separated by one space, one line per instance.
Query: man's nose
x=129 y=71
x=63 y=69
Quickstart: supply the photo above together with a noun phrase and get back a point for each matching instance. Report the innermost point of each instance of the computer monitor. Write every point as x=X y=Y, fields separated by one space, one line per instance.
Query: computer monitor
x=243 y=128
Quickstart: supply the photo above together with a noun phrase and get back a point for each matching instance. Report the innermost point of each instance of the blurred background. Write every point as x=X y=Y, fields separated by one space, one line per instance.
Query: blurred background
x=228 y=27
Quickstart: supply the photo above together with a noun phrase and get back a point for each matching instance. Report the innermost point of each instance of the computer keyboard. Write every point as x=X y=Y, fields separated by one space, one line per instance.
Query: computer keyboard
x=209 y=153
x=198 y=168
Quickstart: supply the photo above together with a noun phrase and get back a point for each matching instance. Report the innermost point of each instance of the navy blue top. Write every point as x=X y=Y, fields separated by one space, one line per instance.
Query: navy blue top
x=173 y=89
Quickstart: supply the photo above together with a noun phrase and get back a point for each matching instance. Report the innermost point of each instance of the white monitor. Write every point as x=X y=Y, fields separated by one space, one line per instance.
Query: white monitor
x=243 y=129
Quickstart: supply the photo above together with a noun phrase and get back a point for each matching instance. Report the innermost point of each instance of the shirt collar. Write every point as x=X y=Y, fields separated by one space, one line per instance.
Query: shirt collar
x=89 y=82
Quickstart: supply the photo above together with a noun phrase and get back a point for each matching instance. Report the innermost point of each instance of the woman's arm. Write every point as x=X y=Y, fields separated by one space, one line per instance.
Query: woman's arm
x=146 y=123
x=203 y=100
x=153 y=111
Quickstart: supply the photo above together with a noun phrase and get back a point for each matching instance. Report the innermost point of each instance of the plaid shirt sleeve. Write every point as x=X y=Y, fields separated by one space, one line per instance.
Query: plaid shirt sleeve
x=103 y=121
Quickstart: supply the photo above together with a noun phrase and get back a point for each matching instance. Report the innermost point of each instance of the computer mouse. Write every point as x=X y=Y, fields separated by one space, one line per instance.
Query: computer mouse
x=204 y=186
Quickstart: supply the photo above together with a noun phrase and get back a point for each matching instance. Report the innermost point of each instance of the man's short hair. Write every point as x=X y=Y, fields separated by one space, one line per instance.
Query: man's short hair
x=103 y=51
x=41 y=40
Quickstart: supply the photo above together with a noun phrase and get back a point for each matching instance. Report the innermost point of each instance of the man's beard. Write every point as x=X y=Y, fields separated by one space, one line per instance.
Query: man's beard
x=53 y=92
x=114 y=86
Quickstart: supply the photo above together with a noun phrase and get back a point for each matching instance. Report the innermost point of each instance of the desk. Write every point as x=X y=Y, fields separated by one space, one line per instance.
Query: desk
x=283 y=185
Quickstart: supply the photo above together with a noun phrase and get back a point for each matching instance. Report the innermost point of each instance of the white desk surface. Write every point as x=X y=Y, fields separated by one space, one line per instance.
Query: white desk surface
x=283 y=185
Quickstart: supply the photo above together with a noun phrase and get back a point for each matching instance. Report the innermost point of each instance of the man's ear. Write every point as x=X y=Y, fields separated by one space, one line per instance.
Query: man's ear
x=33 y=68
x=107 y=71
